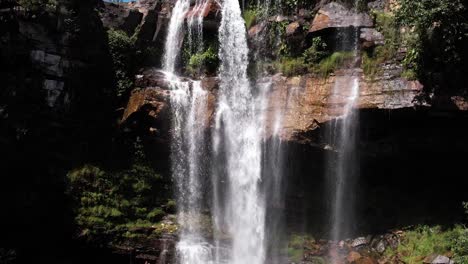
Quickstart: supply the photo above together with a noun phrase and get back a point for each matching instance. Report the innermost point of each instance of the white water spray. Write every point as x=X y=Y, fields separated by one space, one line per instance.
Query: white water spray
x=239 y=129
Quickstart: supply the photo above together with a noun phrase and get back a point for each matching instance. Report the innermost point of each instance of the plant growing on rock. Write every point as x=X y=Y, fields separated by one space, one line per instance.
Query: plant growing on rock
x=439 y=37
x=250 y=17
x=112 y=204
x=37 y=6
x=207 y=60
x=122 y=50
x=332 y=63
x=316 y=52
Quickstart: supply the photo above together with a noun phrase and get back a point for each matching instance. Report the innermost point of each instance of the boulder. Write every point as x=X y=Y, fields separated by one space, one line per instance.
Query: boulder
x=120 y=16
x=307 y=101
x=151 y=101
x=335 y=15
x=360 y=241
x=293 y=28
x=436 y=259
x=353 y=256
x=371 y=37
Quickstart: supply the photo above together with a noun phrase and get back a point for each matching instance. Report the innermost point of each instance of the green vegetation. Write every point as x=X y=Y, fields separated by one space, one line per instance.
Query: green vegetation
x=424 y=241
x=39 y=5
x=296 y=246
x=113 y=204
x=316 y=52
x=122 y=50
x=250 y=17
x=372 y=59
x=409 y=74
x=292 y=66
x=438 y=37
x=316 y=59
x=296 y=66
x=333 y=62
x=361 y=5
x=207 y=61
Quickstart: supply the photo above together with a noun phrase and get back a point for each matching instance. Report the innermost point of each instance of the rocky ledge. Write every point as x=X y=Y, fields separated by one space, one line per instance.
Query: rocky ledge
x=304 y=102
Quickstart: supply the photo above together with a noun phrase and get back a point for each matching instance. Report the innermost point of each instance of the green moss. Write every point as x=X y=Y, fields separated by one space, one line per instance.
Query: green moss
x=409 y=74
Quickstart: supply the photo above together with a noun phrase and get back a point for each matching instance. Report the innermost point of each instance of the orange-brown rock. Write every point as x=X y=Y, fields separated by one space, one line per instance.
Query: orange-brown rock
x=306 y=101
x=353 y=256
x=152 y=98
x=335 y=15
x=153 y=101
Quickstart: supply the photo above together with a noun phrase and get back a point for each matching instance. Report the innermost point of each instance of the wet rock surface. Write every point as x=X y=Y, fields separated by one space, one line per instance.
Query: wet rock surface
x=335 y=15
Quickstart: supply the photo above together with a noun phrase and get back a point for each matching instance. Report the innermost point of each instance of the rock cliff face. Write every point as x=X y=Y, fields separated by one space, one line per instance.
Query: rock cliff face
x=397 y=124
x=56 y=109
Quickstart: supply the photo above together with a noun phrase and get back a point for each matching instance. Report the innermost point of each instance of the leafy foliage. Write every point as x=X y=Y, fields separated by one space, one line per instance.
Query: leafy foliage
x=439 y=30
x=460 y=245
x=39 y=5
x=425 y=240
x=207 y=60
x=113 y=204
x=316 y=52
x=372 y=59
x=296 y=246
x=122 y=49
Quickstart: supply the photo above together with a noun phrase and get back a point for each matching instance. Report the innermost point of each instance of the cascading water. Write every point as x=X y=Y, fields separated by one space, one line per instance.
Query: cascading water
x=343 y=135
x=238 y=139
x=239 y=208
x=345 y=167
x=175 y=35
x=189 y=107
x=195 y=25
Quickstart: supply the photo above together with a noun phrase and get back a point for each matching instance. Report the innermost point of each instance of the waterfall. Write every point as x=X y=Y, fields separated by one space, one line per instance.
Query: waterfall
x=195 y=25
x=175 y=35
x=345 y=167
x=189 y=119
x=238 y=158
x=237 y=140
x=344 y=135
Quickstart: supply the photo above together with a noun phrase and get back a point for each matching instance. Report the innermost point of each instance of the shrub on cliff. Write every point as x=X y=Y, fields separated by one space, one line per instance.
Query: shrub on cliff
x=207 y=61
x=122 y=49
x=38 y=5
x=437 y=50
